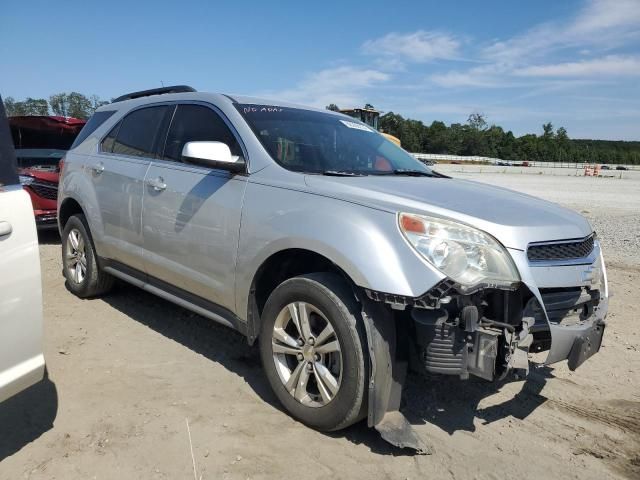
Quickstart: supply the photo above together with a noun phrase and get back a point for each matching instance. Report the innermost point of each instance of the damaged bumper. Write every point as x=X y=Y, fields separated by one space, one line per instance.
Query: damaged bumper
x=558 y=307
x=570 y=306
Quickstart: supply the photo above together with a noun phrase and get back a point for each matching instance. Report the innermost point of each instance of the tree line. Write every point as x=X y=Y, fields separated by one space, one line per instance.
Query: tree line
x=71 y=104
x=477 y=137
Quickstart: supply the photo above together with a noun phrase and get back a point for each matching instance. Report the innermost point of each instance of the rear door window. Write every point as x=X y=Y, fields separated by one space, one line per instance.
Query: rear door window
x=140 y=132
x=197 y=123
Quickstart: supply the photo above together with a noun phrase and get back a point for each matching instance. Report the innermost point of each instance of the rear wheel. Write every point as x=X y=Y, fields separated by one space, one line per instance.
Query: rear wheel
x=79 y=260
x=312 y=347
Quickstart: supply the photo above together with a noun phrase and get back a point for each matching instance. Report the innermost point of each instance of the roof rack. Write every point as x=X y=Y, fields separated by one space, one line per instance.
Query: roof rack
x=155 y=91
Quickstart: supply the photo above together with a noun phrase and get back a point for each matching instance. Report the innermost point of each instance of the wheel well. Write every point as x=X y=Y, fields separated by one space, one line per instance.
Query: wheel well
x=68 y=208
x=288 y=264
x=280 y=267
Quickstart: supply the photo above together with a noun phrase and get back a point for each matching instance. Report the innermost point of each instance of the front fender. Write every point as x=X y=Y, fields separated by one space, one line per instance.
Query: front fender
x=364 y=242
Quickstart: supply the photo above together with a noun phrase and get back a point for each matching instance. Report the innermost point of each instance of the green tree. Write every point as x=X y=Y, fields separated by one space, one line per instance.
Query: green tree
x=437 y=138
x=13 y=108
x=547 y=130
x=79 y=106
x=477 y=121
x=333 y=107
x=30 y=106
x=36 y=106
x=59 y=104
x=74 y=104
x=561 y=135
x=477 y=138
x=392 y=124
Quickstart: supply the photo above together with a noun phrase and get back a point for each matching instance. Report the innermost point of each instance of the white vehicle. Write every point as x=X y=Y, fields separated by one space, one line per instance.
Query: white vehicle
x=21 y=357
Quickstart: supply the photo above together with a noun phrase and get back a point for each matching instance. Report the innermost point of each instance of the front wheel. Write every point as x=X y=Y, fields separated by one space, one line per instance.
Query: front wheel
x=312 y=347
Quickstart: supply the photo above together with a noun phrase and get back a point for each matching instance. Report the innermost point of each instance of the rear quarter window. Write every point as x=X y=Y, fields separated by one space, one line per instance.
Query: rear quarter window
x=96 y=120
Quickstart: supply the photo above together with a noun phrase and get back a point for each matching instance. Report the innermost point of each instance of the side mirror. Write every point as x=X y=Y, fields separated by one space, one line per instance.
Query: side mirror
x=213 y=155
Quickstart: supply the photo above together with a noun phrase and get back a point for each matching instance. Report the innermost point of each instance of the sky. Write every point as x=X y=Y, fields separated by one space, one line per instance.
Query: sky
x=575 y=63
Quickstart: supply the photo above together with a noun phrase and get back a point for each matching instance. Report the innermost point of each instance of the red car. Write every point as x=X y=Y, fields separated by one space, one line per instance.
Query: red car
x=41 y=142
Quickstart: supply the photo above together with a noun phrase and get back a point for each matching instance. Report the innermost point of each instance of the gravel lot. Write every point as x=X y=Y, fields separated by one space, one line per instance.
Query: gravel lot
x=611 y=203
x=131 y=375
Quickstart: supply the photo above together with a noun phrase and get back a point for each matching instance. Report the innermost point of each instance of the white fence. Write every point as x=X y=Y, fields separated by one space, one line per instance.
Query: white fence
x=437 y=157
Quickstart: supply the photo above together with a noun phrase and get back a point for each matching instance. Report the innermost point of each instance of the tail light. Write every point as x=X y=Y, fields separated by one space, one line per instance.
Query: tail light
x=61 y=165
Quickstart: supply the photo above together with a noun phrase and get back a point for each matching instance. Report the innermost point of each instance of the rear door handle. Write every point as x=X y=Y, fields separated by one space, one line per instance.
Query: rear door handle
x=98 y=168
x=157 y=184
x=5 y=229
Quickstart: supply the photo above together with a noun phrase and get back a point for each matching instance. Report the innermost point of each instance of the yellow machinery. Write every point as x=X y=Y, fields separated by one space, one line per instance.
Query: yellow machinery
x=371 y=117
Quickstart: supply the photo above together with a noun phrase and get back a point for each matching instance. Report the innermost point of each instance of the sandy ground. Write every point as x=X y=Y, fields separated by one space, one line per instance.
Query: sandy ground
x=131 y=375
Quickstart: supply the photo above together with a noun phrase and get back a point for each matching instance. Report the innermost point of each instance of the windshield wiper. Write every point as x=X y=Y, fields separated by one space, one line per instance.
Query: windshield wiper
x=414 y=173
x=342 y=173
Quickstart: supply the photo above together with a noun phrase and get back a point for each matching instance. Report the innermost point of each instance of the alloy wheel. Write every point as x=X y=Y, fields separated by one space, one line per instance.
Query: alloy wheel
x=76 y=258
x=307 y=354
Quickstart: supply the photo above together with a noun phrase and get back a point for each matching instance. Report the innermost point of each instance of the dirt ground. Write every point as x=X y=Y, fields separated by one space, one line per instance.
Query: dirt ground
x=135 y=383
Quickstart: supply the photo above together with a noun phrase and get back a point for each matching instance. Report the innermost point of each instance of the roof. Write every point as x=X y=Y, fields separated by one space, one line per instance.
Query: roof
x=138 y=100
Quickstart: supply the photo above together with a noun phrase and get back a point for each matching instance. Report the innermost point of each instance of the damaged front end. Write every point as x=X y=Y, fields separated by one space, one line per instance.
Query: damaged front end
x=487 y=332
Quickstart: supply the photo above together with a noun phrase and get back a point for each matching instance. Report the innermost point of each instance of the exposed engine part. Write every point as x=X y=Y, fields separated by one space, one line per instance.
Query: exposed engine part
x=447 y=347
x=442 y=344
x=485 y=334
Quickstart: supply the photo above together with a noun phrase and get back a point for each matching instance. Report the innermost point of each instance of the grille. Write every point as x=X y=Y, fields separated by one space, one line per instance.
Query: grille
x=561 y=251
x=45 y=190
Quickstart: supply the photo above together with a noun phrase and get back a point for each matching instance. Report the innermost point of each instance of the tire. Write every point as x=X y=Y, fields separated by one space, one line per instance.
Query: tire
x=329 y=302
x=79 y=264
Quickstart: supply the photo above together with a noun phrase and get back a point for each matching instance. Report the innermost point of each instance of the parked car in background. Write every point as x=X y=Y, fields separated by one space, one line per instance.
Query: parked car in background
x=41 y=142
x=605 y=167
x=621 y=167
x=21 y=357
x=342 y=255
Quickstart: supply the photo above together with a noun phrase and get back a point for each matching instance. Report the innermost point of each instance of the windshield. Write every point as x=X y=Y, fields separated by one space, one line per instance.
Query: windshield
x=316 y=142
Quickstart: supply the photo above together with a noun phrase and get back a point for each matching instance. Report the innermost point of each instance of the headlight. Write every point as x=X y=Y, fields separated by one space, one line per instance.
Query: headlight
x=465 y=254
x=25 y=180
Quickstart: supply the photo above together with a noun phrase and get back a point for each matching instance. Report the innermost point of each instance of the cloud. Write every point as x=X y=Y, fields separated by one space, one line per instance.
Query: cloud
x=611 y=65
x=467 y=78
x=344 y=86
x=420 y=46
x=600 y=15
x=601 y=24
x=487 y=76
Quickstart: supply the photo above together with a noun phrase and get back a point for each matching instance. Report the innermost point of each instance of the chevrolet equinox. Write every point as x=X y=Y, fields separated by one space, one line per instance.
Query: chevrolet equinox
x=343 y=256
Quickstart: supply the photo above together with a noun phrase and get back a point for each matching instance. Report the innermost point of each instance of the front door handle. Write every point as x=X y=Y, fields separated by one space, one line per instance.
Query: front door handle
x=5 y=229
x=98 y=168
x=157 y=184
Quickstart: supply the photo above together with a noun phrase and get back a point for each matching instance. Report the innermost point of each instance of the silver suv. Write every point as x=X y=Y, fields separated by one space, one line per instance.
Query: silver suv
x=346 y=258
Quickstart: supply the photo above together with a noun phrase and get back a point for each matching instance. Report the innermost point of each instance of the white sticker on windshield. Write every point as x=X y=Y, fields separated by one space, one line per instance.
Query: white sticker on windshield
x=355 y=125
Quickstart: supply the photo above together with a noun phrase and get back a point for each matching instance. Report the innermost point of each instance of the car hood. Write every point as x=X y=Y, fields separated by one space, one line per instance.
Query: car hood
x=47 y=175
x=515 y=219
